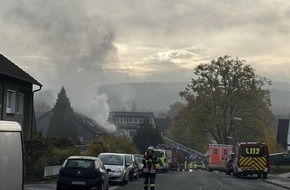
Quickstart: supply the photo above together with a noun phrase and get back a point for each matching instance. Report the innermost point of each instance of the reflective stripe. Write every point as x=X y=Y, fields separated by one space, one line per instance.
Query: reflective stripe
x=152 y=185
x=253 y=163
x=152 y=171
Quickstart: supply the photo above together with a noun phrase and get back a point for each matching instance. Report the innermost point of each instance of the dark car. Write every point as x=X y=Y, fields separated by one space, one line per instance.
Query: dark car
x=83 y=172
x=229 y=164
x=279 y=159
x=138 y=160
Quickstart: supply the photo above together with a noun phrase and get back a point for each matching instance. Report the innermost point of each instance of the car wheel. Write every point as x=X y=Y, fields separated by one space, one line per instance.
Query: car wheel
x=265 y=175
x=131 y=176
x=123 y=181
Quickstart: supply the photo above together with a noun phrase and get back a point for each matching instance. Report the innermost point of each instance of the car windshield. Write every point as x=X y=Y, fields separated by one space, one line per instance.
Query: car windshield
x=112 y=159
x=139 y=159
x=159 y=153
x=80 y=163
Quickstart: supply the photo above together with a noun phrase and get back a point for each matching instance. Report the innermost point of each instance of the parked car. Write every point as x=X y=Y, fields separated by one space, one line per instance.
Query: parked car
x=116 y=162
x=229 y=164
x=138 y=159
x=279 y=159
x=133 y=168
x=83 y=172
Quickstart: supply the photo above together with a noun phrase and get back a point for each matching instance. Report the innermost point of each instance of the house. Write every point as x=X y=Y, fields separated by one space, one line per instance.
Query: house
x=128 y=123
x=283 y=133
x=86 y=128
x=16 y=96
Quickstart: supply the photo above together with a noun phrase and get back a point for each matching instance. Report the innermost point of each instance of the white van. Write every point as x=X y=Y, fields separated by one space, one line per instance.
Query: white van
x=11 y=156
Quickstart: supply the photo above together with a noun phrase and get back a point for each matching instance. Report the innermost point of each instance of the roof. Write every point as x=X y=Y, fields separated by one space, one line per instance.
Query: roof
x=9 y=126
x=88 y=123
x=124 y=113
x=8 y=68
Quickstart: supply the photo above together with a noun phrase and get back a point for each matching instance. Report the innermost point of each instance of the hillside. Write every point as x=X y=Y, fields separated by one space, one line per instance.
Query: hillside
x=158 y=97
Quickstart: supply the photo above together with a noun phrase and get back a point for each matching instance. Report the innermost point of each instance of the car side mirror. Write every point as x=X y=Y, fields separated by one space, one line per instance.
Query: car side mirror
x=108 y=170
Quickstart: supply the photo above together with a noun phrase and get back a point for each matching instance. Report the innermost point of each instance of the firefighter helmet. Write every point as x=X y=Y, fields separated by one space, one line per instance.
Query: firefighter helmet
x=151 y=148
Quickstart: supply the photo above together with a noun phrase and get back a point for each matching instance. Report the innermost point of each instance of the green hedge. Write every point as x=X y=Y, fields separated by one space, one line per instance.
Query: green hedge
x=41 y=152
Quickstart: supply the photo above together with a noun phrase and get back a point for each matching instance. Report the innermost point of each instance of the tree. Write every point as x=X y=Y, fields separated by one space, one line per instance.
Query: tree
x=147 y=136
x=184 y=130
x=228 y=100
x=175 y=109
x=62 y=122
x=110 y=143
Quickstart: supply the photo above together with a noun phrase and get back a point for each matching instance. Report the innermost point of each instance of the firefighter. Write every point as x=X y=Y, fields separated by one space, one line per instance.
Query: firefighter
x=202 y=165
x=194 y=165
x=149 y=168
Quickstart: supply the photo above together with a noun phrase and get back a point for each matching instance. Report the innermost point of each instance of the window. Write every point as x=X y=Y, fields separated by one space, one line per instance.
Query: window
x=225 y=152
x=121 y=119
x=140 y=120
x=132 y=133
x=118 y=119
x=20 y=103
x=10 y=108
x=215 y=151
x=137 y=120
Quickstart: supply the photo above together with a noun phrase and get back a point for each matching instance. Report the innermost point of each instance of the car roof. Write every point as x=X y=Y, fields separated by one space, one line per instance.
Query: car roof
x=279 y=153
x=111 y=153
x=83 y=157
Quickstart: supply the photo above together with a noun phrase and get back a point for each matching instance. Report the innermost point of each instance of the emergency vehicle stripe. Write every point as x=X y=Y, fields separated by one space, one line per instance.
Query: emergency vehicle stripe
x=256 y=163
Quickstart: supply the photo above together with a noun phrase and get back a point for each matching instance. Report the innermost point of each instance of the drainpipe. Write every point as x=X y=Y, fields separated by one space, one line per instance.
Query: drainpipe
x=32 y=110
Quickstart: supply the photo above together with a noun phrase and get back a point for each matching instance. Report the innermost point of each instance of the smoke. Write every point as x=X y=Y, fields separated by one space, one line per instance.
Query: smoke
x=70 y=48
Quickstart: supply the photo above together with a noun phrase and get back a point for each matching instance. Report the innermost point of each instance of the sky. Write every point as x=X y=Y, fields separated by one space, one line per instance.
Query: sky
x=80 y=44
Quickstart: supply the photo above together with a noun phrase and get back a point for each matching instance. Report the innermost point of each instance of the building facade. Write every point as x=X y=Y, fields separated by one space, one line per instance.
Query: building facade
x=16 y=96
x=283 y=133
x=128 y=123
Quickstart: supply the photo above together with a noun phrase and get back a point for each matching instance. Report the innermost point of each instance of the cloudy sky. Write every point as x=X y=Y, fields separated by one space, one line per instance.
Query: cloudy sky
x=85 y=43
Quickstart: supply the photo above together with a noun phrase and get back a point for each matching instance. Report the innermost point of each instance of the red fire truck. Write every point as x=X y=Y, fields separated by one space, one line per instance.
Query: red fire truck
x=218 y=154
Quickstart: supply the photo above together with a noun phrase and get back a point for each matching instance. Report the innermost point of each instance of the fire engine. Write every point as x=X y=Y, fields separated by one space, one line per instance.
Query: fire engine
x=218 y=154
x=172 y=156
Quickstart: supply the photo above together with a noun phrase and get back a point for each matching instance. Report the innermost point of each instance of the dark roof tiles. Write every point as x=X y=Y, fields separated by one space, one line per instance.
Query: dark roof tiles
x=8 y=68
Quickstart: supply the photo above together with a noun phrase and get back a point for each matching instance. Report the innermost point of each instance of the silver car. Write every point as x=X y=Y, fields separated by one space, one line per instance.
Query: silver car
x=116 y=162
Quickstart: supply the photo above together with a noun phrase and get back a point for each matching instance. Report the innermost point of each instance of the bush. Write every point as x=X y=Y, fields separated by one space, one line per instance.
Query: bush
x=41 y=152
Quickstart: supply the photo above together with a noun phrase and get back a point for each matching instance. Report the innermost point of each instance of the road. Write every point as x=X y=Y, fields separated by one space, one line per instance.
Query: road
x=187 y=181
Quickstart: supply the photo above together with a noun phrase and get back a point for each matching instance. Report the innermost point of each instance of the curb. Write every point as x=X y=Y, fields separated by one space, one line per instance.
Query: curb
x=277 y=184
x=41 y=181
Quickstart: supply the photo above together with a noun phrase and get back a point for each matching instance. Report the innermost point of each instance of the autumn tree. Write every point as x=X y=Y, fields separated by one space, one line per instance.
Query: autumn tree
x=147 y=136
x=62 y=122
x=111 y=143
x=228 y=100
x=184 y=128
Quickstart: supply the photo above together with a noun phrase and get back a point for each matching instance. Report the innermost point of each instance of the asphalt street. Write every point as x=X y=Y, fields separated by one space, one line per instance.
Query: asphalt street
x=186 y=181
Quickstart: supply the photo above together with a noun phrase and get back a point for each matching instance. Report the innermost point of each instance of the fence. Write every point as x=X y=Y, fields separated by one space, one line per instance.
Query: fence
x=51 y=171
